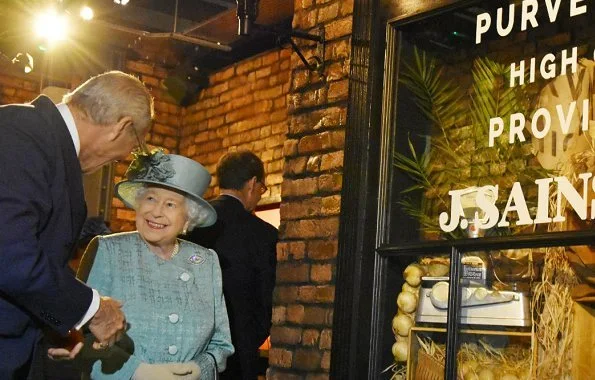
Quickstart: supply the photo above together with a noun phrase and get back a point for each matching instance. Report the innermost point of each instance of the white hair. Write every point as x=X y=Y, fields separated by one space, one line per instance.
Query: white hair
x=108 y=97
x=195 y=213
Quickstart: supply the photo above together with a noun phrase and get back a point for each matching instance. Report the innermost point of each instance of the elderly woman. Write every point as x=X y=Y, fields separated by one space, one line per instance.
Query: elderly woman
x=171 y=288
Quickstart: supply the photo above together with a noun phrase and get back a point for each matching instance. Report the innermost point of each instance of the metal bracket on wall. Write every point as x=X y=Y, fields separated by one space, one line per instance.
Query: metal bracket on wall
x=318 y=58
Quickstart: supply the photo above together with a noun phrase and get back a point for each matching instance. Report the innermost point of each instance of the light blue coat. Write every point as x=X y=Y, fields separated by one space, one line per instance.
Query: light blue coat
x=175 y=308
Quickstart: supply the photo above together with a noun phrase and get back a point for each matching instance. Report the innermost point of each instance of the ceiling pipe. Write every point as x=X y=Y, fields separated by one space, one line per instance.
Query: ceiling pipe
x=172 y=35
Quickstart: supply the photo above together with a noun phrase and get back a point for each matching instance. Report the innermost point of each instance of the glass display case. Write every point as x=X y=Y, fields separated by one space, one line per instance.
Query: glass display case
x=484 y=212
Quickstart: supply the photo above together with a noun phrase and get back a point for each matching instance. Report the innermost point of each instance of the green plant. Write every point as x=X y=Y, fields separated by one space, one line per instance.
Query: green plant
x=458 y=155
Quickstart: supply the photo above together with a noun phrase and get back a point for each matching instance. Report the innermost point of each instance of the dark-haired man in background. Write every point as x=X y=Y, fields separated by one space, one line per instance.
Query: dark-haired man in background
x=246 y=246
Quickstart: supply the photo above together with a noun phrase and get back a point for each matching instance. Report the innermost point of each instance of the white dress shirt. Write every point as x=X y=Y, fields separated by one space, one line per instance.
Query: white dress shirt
x=69 y=120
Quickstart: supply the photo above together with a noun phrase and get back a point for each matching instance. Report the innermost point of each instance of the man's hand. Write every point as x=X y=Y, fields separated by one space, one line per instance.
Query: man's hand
x=165 y=371
x=108 y=324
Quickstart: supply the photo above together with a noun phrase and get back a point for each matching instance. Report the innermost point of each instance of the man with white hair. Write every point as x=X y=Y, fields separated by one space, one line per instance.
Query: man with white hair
x=44 y=150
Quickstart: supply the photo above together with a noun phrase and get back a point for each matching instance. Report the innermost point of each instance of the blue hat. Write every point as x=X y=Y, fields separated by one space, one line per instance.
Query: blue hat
x=171 y=171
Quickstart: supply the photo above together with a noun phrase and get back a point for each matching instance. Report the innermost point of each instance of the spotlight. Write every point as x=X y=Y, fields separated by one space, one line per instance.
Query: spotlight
x=86 y=13
x=24 y=61
x=121 y=2
x=51 y=26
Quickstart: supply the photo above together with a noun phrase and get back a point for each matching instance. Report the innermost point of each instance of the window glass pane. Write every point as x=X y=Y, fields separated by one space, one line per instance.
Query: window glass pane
x=493 y=122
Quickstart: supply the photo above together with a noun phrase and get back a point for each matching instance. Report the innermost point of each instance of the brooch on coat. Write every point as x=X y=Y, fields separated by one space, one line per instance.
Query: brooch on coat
x=196 y=259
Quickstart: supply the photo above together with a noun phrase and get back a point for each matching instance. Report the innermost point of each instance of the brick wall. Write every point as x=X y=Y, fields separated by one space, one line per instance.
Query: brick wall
x=303 y=301
x=244 y=107
x=14 y=89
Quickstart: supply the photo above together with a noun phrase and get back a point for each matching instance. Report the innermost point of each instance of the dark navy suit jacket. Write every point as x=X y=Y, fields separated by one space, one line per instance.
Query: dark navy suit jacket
x=246 y=246
x=42 y=210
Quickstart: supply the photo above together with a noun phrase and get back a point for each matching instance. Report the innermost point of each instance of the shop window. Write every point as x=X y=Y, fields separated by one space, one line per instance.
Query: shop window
x=487 y=193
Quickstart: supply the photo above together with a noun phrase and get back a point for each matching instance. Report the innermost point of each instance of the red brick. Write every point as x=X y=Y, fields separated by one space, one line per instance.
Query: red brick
x=325 y=363
x=322 y=249
x=338 y=90
x=301 y=78
x=125 y=214
x=150 y=80
x=299 y=187
x=316 y=315
x=310 y=337
x=201 y=137
x=331 y=205
x=274 y=141
x=330 y=182
x=320 y=273
x=245 y=66
x=278 y=115
x=314 y=143
x=346 y=7
x=295 y=313
x=224 y=75
x=264 y=133
x=304 y=4
x=307 y=359
x=270 y=93
x=328 y=12
x=263 y=72
x=140 y=67
x=285 y=335
x=269 y=58
x=164 y=129
x=280 y=357
x=279 y=313
x=300 y=209
x=239 y=114
x=170 y=143
x=326 y=337
x=275 y=166
x=338 y=28
x=292 y=273
x=316 y=294
x=279 y=128
x=312 y=228
x=215 y=122
x=285 y=294
x=291 y=250
x=331 y=161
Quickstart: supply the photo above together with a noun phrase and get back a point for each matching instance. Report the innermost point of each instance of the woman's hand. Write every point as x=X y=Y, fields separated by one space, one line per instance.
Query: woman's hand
x=195 y=375
x=65 y=353
x=167 y=371
x=66 y=348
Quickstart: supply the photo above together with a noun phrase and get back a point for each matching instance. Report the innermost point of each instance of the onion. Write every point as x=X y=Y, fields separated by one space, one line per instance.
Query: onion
x=400 y=351
x=480 y=293
x=438 y=270
x=408 y=288
x=509 y=376
x=407 y=302
x=413 y=274
x=402 y=324
x=467 y=368
x=486 y=374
